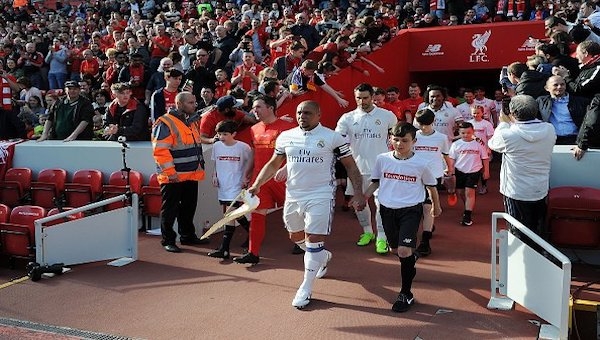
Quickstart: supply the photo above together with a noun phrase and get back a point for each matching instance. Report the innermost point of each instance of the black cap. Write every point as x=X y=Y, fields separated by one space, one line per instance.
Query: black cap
x=72 y=83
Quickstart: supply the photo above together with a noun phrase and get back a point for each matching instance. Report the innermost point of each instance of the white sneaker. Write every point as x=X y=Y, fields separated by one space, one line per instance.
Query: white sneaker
x=323 y=269
x=302 y=299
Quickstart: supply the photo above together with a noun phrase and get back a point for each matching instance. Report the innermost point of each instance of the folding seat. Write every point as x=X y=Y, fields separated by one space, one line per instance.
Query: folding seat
x=151 y=200
x=48 y=190
x=15 y=186
x=17 y=236
x=4 y=213
x=117 y=185
x=68 y=218
x=85 y=188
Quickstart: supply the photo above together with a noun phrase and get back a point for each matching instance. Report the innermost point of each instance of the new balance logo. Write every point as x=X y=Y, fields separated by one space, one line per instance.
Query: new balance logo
x=433 y=50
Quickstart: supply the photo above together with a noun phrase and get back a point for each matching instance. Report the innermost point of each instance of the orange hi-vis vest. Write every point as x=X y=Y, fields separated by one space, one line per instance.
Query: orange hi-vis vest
x=177 y=150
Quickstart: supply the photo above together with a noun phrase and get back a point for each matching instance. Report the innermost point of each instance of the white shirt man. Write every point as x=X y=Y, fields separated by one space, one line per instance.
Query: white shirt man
x=366 y=128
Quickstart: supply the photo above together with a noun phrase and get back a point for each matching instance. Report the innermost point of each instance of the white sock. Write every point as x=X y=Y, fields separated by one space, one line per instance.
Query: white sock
x=313 y=259
x=364 y=219
x=301 y=244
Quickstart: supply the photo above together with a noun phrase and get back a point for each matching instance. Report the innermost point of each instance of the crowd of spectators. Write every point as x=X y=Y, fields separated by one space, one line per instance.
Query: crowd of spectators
x=282 y=48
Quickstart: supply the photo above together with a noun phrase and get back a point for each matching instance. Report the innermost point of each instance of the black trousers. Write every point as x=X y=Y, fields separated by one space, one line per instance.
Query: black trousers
x=179 y=202
x=531 y=213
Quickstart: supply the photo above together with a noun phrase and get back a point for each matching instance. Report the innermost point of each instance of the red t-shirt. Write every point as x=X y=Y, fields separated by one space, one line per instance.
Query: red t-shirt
x=164 y=41
x=169 y=99
x=209 y=121
x=90 y=67
x=247 y=83
x=412 y=104
x=263 y=141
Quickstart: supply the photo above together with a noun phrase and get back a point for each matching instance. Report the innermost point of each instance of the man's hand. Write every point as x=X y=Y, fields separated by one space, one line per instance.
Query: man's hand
x=436 y=210
x=42 y=138
x=281 y=174
x=253 y=190
x=578 y=153
x=358 y=202
x=70 y=138
x=486 y=175
x=343 y=102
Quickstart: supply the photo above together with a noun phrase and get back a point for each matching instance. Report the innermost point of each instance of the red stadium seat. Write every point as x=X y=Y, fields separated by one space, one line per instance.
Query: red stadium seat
x=55 y=211
x=151 y=200
x=4 y=213
x=15 y=187
x=48 y=188
x=117 y=185
x=85 y=188
x=17 y=237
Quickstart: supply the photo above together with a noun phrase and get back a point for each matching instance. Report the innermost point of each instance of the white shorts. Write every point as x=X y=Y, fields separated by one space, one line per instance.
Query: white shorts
x=312 y=217
x=366 y=179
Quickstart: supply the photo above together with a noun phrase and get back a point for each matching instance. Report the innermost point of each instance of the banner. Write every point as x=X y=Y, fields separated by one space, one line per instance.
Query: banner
x=468 y=47
x=455 y=48
x=7 y=151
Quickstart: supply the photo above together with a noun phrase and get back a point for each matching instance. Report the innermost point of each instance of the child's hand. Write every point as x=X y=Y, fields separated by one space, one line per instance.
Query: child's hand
x=436 y=210
x=215 y=182
x=486 y=175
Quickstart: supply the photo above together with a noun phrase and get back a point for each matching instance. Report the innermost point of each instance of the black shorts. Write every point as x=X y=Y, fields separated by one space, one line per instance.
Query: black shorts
x=401 y=225
x=467 y=180
x=427 y=198
x=225 y=204
x=340 y=170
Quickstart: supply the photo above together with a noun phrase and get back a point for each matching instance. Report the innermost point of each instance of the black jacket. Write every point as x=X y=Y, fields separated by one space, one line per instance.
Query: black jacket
x=587 y=84
x=10 y=125
x=133 y=121
x=577 y=107
x=84 y=111
x=532 y=83
x=589 y=133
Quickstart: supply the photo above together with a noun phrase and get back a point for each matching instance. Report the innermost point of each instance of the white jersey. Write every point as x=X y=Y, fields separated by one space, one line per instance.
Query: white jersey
x=230 y=164
x=484 y=130
x=467 y=156
x=432 y=147
x=311 y=157
x=367 y=133
x=489 y=108
x=445 y=120
x=465 y=110
x=402 y=182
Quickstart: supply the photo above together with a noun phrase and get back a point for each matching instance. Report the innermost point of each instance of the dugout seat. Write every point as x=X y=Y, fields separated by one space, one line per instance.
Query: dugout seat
x=151 y=201
x=117 y=185
x=85 y=188
x=17 y=237
x=55 y=211
x=48 y=190
x=15 y=186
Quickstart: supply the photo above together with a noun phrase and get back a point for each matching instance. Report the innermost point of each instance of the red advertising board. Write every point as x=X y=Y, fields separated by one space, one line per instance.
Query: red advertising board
x=471 y=47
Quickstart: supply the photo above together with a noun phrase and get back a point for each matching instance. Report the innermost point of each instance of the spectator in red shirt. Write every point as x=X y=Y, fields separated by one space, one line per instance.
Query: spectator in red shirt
x=246 y=75
x=90 y=67
x=225 y=108
x=160 y=45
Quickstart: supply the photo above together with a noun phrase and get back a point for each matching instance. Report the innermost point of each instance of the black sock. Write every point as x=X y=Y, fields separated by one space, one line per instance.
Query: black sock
x=243 y=221
x=426 y=237
x=227 y=236
x=467 y=214
x=408 y=272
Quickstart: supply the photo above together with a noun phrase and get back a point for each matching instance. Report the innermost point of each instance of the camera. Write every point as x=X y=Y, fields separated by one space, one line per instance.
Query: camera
x=246 y=45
